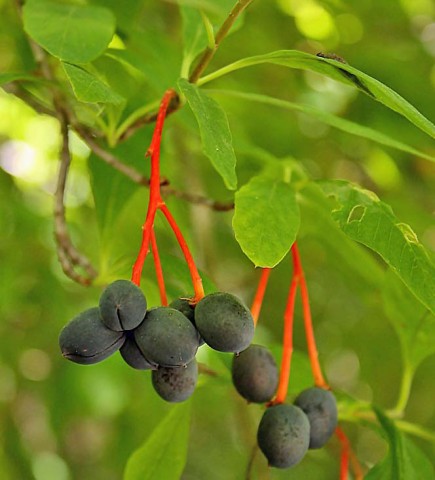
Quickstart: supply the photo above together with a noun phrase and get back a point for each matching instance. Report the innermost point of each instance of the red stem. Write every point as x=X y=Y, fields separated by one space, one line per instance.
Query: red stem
x=345 y=453
x=156 y=203
x=196 y=279
x=159 y=270
x=287 y=347
x=155 y=198
x=348 y=455
x=313 y=354
x=143 y=251
x=259 y=294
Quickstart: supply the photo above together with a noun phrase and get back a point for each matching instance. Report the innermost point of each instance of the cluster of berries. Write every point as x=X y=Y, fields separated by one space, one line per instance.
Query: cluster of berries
x=166 y=339
x=163 y=339
x=286 y=432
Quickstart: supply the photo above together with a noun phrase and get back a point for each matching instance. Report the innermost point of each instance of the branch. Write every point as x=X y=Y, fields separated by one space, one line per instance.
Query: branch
x=202 y=64
x=174 y=105
x=140 y=179
x=14 y=88
x=110 y=159
x=69 y=256
x=196 y=199
x=209 y=52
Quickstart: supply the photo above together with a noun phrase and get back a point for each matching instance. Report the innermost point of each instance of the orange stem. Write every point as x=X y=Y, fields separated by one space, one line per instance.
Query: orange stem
x=159 y=270
x=345 y=453
x=194 y=274
x=356 y=467
x=287 y=347
x=156 y=203
x=155 y=196
x=348 y=455
x=313 y=354
x=259 y=294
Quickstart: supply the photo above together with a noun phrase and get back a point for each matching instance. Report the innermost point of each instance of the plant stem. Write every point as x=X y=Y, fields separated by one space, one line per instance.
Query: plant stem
x=287 y=347
x=345 y=453
x=155 y=198
x=194 y=274
x=156 y=203
x=362 y=411
x=405 y=391
x=416 y=430
x=69 y=256
x=210 y=51
x=138 y=115
x=319 y=380
x=159 y=270
x=259 y=294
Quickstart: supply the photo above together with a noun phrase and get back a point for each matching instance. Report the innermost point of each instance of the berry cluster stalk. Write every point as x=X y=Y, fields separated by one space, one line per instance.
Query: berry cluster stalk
x=159 y=270
x=298 y=280
x=156 y=202
x=287 y=344
x=259 y=294
x=348 y=456
x=345 y=453
x=298 y=274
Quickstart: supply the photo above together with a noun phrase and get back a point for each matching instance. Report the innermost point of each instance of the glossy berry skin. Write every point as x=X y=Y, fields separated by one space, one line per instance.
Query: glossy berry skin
x=167 y=338
x=175 y=384
x=283 y=435
x=86 y=340
x=321 y=409
x=133 y=356
x=224 y=322
x=183 y=306
x=255 y=374
x=122 y=305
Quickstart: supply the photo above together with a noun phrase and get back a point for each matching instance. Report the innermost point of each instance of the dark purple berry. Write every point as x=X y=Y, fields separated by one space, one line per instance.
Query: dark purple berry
x=320 y=407
x=122 y=305
x=86 y=340
x=255 y=374
x=224 y=322
x=284 y=435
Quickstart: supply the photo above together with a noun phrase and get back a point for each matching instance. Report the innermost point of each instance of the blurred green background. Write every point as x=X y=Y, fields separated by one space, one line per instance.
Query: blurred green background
x=62 y=421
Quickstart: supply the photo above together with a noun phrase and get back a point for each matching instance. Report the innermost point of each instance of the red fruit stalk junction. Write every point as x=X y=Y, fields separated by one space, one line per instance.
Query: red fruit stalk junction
x=156 y=202
x=298 y=281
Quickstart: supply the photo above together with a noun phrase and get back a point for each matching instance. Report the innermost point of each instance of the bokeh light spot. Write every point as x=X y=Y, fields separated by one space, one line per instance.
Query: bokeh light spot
x=18 y=158
x=35 y=364
x=315 y=22
x=49 y=466
x=349 y=28
x=8 y=384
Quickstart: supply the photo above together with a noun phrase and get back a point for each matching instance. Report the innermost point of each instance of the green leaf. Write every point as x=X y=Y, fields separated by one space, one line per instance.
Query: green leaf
x=194 y=36
x=266 y=219
x=338 y=71
x=367 y=220
x=329 y=119
x=73 y=33
x=164 y=453
x=414 y=324
x=404 y=460
x=208 y=5
x=110 y=188
x=215 y=132
x=13 y=76
x=89 y=88
x=359 y=263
